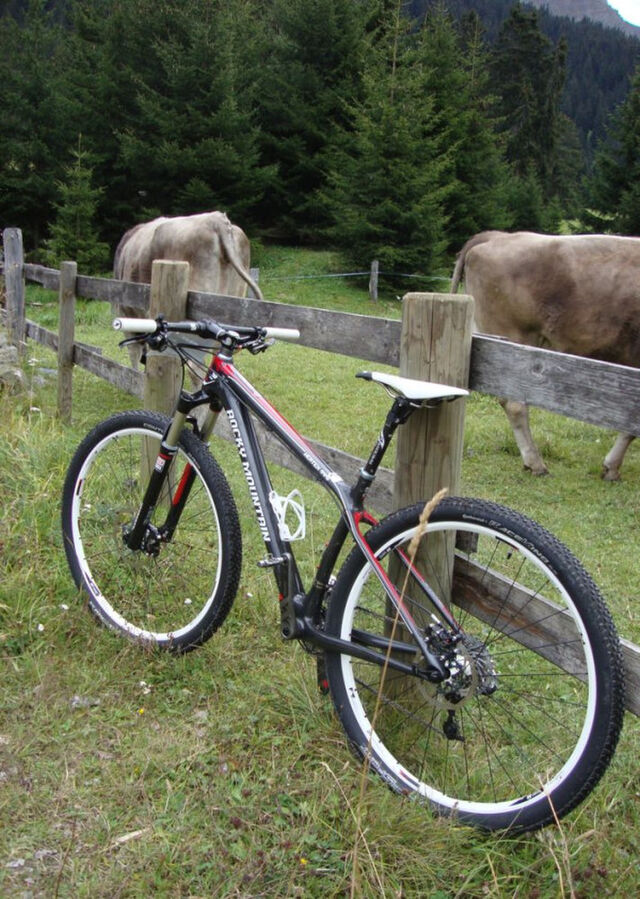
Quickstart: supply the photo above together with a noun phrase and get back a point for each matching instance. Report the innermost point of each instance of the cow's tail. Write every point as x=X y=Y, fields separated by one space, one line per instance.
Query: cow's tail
x=117 y=259
x=118 y=265
x=228 y=244
x=458 y=271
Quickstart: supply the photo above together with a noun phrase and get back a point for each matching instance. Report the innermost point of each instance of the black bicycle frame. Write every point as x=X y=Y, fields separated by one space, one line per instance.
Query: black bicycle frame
x=225 y=388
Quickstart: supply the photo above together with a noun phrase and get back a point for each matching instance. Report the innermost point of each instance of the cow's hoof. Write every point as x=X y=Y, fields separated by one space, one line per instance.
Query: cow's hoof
x=537 y=472
x=610 y=474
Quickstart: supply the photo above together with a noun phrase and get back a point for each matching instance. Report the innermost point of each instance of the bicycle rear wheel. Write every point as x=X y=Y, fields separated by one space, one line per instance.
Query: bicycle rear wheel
x=528 y=719
x=174 y=594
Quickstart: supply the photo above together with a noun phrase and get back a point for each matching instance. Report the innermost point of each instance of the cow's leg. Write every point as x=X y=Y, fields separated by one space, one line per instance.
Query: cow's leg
x=135 y=355
x=613 y=459
x=518 y=415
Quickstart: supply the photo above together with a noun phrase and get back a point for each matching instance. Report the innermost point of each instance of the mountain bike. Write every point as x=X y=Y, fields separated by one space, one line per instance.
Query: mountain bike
x=471 y=659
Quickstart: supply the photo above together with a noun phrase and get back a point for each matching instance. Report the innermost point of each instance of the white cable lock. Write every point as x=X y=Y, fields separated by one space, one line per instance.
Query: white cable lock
x=293 y=506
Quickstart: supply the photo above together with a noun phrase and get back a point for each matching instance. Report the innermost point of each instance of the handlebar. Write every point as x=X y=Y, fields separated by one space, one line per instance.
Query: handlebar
x=282 y=333
x=211 y=329
x=135 y=325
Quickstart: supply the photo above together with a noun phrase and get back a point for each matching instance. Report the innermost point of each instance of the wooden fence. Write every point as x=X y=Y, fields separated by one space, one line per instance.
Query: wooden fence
x=427 y=344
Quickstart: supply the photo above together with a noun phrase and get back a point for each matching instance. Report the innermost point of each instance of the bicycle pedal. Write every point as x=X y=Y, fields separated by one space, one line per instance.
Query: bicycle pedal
x=271 y=561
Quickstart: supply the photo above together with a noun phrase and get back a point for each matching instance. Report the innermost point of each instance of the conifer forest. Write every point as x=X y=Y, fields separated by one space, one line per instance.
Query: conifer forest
x=387 y=129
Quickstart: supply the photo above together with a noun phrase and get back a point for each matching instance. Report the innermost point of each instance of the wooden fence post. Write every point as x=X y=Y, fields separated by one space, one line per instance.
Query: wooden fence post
x=373 y=280
x=435 y=345
x=14 y=284
x=66 y=337
x=163 y=372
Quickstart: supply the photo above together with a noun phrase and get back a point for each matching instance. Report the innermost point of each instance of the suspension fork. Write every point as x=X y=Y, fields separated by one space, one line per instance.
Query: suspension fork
x=181 y=495
x=136 y=535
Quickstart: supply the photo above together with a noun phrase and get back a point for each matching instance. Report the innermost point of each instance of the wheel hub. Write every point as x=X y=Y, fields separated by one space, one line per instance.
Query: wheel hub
x=471 y=671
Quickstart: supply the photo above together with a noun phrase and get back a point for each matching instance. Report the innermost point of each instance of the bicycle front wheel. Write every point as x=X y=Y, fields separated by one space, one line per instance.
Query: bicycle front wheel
x=173 y=593
x=529 y=716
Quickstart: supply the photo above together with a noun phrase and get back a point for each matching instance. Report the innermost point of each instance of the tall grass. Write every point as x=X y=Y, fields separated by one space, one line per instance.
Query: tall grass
x=224 y=773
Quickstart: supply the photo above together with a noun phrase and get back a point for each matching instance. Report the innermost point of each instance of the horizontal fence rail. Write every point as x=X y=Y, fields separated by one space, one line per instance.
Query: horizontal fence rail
x=600 y=393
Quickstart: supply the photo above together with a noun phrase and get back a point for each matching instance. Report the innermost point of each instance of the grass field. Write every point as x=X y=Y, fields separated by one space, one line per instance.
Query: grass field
x=224 y=773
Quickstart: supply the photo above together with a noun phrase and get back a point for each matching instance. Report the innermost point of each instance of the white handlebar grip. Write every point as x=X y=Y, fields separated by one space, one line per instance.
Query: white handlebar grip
x=135 y=325
x=283 y=333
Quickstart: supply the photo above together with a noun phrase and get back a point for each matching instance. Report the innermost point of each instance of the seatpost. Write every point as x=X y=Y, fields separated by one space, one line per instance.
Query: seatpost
x=400 y=411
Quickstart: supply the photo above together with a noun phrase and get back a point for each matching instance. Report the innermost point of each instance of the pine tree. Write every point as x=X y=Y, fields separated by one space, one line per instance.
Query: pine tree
x=570 y=168
x=167 y=93
x=387 y=185
x=32 y=137
x=313 y=58
x=615 y=185
x=457 y=79
x=109 y=54
x=195 y=144
x=528 y=71
x=73 y=233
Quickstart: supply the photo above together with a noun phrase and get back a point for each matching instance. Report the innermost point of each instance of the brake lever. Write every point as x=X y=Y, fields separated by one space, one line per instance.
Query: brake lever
x=157 y=341
x=258 y=346
x=139 y=338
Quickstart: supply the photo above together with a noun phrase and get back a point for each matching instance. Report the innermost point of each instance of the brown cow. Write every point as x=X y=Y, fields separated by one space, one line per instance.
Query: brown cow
x=218 y=254
x=577 y=294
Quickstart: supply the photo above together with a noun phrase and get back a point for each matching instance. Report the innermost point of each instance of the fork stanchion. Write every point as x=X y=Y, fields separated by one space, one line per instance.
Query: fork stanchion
x=163 y=371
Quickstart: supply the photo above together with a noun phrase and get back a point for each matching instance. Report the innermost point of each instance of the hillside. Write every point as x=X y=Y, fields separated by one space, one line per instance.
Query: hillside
x=595 y=10
x=600 y=59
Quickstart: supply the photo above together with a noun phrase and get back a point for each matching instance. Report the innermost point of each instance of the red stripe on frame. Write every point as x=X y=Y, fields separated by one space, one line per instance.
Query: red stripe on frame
x=183 y=483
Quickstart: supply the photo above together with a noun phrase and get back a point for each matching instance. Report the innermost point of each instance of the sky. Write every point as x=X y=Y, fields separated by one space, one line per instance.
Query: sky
x=628 y=9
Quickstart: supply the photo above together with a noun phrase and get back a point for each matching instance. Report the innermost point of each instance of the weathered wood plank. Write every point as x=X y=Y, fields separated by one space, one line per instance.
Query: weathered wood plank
x=435 y=346
x=91 y=359
x=41 y=335
x=121 y=376
x=360 y=336
x=50 y=339
x=435 y=343
x=373 y=280
x=600 y=393
x=126 y=292
x=163 y=371
x=14 y=285
x=533 y=621
x=66 y=334
x=631 y=661
x=47 y=277
x=134 y=295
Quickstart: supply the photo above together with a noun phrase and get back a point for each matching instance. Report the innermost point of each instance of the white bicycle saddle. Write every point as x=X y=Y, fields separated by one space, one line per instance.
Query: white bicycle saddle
x=412 y=389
